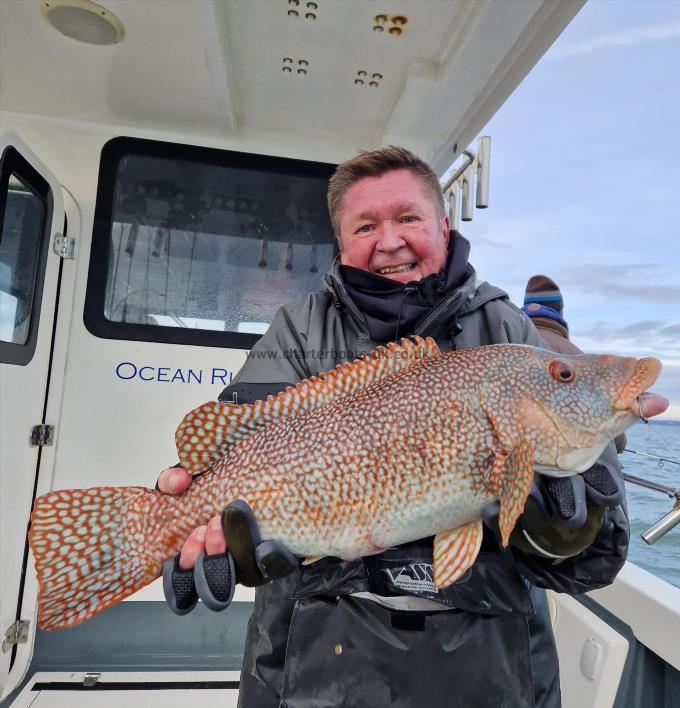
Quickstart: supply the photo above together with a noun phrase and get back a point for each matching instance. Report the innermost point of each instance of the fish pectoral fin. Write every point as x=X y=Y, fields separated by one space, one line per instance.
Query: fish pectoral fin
x=311 y=559
x=455 y=551
x=511 y=480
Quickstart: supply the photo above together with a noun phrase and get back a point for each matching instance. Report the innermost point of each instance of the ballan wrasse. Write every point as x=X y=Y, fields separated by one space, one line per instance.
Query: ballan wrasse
x=402 y=444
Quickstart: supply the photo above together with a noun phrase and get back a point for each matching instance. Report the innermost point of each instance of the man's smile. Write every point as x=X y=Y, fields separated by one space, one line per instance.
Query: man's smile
x=403 y=268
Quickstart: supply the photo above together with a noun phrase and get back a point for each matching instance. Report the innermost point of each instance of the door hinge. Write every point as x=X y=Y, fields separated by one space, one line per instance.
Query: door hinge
x=64 y=246
x=15 y=634
x=42 y=435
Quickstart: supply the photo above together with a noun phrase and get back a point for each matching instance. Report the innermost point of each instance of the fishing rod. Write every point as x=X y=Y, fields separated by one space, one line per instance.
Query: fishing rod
x=672 y=518
x=661 y=460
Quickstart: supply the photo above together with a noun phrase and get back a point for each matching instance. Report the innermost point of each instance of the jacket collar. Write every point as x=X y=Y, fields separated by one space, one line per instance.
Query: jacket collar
x=467 y=297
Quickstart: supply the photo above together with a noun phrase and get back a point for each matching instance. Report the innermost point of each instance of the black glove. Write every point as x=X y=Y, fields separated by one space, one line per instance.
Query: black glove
x=563 y=515
x=249 y=561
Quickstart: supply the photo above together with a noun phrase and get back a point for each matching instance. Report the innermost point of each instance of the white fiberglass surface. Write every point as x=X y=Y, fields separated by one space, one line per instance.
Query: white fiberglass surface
x=23 y=384
x=132 y=689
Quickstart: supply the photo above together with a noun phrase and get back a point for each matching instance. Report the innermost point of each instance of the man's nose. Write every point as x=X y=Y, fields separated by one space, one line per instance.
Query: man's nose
x=390 y=237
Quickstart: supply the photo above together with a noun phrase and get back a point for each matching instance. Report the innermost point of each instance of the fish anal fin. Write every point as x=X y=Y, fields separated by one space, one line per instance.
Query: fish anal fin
x=455 y=551
x=206 y=433
x=510 y=480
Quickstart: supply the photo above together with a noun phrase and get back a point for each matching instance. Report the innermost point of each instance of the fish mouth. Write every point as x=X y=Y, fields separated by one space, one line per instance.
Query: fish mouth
x=645 y=373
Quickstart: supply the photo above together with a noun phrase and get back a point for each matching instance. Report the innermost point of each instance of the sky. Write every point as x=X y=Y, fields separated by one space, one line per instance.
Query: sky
x=585 y=183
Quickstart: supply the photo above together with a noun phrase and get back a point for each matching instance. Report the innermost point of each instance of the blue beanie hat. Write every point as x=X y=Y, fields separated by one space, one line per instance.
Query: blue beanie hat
x=543 y=291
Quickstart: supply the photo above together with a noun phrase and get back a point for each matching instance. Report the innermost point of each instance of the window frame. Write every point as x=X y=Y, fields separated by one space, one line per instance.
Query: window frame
x=112 y=153
x=14 y=163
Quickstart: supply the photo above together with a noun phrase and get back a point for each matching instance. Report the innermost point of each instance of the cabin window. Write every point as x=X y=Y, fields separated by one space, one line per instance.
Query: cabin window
x=24 y=206
x=201 y=246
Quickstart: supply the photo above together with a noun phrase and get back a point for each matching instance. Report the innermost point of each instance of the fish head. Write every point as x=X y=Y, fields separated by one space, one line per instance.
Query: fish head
x=572 y=406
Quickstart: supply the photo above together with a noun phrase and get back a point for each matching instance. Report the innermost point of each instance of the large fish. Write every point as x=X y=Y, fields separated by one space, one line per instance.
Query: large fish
x=402 y=444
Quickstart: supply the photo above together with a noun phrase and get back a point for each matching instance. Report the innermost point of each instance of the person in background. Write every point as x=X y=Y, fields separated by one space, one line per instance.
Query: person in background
x=544 y=304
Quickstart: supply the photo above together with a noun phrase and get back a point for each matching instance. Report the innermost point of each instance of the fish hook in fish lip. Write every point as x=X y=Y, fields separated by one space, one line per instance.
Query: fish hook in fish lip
x=642 y=415
x=649 y=405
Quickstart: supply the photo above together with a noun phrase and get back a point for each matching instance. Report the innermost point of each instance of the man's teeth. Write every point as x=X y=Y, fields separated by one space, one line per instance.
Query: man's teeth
x=397 y=269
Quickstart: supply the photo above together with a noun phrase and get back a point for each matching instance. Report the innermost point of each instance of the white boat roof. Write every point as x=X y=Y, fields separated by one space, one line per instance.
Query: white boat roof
x=213 y=69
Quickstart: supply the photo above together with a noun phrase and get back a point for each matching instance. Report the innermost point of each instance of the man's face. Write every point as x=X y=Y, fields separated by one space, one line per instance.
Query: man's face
x=389 y=225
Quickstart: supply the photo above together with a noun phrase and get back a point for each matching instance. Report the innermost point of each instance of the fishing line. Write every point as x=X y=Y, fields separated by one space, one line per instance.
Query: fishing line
x=661 y=440
x=659 y=437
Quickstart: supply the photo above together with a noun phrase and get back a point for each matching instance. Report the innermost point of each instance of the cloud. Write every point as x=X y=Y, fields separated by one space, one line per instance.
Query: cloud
x=653 y=337
x=641 y=329
x=671 y=331
x=624 y=38
x=639 y=282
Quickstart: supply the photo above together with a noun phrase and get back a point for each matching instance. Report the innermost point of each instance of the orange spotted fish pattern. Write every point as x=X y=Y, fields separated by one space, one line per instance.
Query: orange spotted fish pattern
x=402 y=444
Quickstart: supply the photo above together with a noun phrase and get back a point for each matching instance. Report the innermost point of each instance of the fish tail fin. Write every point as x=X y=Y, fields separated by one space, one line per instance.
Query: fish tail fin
x=95 y=547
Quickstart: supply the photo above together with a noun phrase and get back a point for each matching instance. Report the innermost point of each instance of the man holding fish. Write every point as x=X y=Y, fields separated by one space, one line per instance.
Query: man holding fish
x=382 y=630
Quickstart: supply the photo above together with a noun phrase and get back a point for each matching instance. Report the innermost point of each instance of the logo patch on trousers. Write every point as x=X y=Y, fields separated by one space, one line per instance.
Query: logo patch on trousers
x=414 y=578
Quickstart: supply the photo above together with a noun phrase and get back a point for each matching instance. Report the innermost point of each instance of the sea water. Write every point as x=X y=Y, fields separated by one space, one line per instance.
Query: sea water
x=645 y=506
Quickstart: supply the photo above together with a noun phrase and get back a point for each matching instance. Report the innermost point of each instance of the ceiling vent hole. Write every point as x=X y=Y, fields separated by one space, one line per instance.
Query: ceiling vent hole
x=83 y=20
x=393 y=24
x=362 y=78
x=289 y=62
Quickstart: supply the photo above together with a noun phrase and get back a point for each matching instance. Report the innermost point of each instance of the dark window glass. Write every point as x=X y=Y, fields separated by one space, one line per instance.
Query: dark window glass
x=24 y=205
x=202 y=246
x=22 y=232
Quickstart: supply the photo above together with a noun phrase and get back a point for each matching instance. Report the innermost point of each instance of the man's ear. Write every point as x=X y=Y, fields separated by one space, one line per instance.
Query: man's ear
x=447 y=229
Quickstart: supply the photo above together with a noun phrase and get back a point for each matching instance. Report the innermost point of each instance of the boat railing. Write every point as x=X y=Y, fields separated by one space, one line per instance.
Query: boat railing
x=667 y=521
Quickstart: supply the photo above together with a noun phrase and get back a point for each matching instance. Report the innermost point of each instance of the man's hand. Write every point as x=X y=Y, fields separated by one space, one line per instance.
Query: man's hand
x=563 y=516
x=187 y=576
x=174 y=480
x=204 y=539
x=205 y=568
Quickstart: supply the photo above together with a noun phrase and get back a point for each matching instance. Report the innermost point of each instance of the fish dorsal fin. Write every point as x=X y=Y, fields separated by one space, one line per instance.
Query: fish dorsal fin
x=205 y=434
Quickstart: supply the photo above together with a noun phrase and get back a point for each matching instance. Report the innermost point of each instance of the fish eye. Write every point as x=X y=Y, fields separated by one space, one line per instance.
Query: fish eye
x=561 y=371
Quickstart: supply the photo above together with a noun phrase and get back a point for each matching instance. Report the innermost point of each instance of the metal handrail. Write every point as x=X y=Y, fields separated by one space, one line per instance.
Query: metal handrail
x=471 y=156
x=666 y=522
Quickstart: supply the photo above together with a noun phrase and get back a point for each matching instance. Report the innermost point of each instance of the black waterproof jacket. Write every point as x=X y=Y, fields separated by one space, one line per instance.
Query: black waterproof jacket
x=319 y=638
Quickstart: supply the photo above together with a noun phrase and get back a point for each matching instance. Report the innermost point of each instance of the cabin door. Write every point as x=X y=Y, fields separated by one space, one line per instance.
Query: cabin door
x=31 y=216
